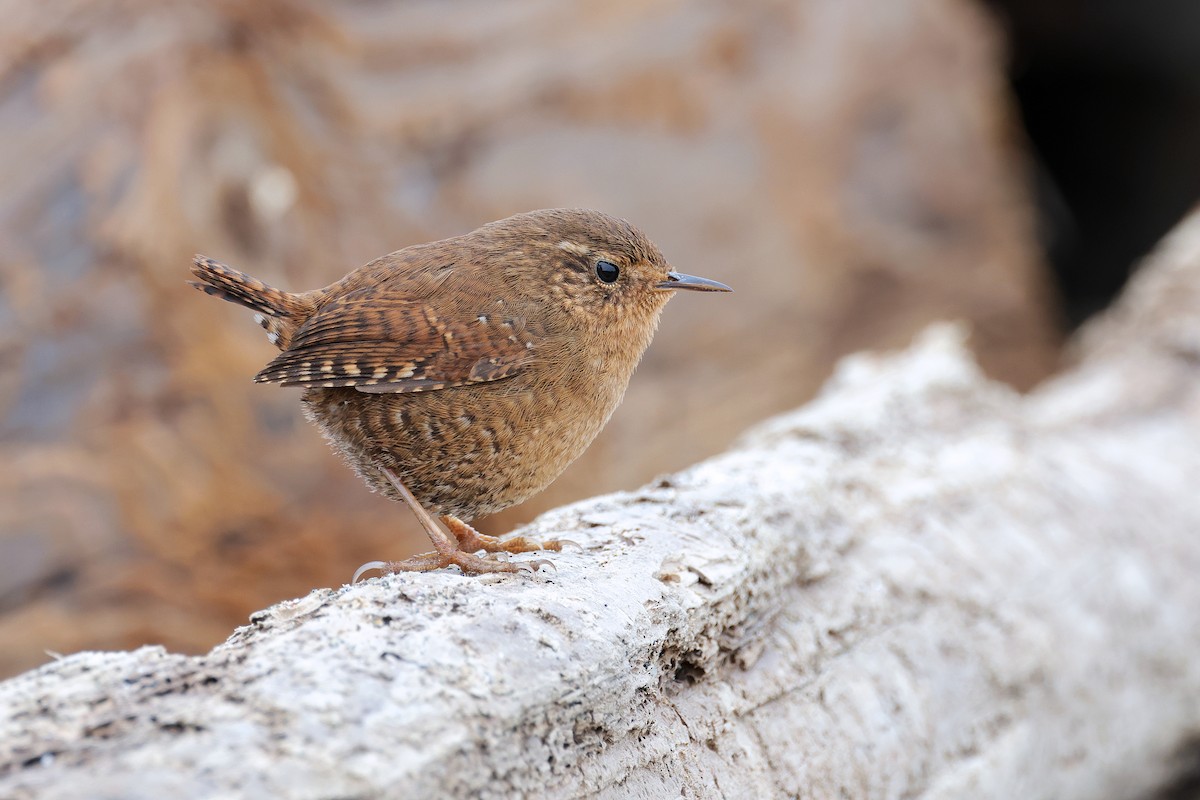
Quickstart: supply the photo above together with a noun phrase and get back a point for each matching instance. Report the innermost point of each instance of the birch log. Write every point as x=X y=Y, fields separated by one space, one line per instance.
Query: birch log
x=920 y=585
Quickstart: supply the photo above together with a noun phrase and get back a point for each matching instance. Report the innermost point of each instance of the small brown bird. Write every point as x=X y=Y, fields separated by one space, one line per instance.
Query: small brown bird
x=463 y=376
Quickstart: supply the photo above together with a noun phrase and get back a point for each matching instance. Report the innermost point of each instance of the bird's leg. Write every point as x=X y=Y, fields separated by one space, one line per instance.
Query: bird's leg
x=472 y=540
x=446 y=548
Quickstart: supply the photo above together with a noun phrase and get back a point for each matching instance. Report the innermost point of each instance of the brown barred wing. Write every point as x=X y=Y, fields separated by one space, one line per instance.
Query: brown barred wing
x=382 y=342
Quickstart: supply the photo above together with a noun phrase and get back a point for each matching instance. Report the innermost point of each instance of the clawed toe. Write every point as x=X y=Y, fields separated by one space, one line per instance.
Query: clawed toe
x=534 y=566
x=367 y=567
x=469 y=563
x=461 y=550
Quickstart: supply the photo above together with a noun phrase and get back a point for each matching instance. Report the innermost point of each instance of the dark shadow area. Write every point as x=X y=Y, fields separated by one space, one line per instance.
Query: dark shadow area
x=1109 y=93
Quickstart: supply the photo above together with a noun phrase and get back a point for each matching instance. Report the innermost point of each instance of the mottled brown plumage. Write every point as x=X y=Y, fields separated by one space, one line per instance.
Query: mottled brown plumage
x=463 y=376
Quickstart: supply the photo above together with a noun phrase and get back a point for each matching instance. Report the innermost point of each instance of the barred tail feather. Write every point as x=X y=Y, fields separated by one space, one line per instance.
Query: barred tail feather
x=279 y=312
x=238 y=287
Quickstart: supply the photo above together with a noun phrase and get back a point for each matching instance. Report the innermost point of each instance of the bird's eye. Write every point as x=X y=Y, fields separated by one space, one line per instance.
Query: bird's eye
x=607 y=271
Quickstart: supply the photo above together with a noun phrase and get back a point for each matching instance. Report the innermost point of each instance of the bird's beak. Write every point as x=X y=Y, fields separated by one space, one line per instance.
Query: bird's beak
x=677 y=280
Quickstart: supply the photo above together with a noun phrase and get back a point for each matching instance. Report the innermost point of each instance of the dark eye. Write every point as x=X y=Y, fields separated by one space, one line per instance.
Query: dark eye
x=607 y=271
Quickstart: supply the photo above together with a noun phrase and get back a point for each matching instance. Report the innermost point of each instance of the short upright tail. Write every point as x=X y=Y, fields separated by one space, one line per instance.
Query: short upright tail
x=279 y=312
x=238 y=287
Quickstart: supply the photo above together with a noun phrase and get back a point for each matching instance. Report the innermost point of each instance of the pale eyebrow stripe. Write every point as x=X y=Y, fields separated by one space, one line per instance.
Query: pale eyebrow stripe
x=574 y=247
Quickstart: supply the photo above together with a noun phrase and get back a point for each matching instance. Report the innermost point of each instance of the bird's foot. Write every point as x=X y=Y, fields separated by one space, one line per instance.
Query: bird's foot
x=469 y=563
x=458 y=550
x=472 y=541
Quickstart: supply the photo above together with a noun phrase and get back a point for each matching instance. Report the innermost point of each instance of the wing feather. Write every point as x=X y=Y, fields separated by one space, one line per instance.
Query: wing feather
x=382 y=341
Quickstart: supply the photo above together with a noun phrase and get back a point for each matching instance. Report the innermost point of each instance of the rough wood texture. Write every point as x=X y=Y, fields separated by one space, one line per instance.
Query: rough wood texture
x=920 y=585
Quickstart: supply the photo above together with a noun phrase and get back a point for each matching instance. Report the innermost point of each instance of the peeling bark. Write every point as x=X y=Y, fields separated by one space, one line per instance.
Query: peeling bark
x=922 y=584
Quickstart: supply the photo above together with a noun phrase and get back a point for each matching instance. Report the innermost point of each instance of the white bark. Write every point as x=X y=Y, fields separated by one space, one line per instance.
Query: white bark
x=920 y=585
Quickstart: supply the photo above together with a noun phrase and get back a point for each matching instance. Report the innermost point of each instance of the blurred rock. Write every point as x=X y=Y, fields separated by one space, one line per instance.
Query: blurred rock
x=848 y=166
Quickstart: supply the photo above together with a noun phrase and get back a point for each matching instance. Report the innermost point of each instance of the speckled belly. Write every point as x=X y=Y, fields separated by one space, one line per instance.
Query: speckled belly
x=466 y=451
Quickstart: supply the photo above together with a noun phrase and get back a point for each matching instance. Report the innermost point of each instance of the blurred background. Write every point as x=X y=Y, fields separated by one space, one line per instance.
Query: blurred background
x=854 y=168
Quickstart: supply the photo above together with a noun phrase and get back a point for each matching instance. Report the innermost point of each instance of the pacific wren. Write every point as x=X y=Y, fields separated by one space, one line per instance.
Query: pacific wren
x=463 y=376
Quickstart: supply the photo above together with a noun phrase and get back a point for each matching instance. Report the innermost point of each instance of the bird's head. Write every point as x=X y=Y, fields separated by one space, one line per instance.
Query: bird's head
x=601 y=270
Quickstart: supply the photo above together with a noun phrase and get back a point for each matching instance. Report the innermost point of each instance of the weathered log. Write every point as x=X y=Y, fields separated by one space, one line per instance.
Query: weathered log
x=921 y=584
